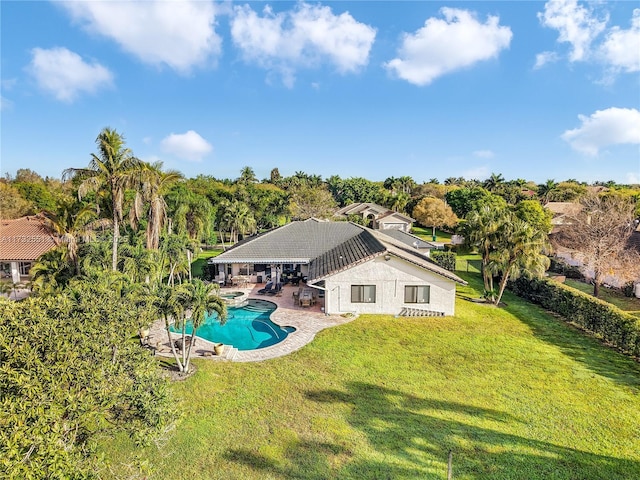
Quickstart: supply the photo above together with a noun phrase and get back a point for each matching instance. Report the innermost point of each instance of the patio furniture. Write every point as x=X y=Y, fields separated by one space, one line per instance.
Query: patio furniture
x=267 y=289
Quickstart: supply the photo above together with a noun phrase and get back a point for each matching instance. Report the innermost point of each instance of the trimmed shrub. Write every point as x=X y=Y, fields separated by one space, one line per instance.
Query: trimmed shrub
x=446 y=260
x=606 y=321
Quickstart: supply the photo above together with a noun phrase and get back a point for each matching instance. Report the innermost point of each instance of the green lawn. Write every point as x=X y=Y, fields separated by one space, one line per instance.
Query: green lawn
x=200 y=262
x=427 y=234
x=613 y=296
x=513 y=393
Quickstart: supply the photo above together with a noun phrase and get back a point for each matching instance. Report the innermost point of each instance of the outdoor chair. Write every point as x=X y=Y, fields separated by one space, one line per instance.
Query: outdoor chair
x=268 y=288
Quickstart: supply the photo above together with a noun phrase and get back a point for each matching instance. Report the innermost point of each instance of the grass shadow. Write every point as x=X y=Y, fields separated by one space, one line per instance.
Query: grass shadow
x=410 y=430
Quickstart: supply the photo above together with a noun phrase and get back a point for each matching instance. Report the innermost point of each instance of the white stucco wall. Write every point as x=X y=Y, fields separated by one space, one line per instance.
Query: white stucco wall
x=390 y=277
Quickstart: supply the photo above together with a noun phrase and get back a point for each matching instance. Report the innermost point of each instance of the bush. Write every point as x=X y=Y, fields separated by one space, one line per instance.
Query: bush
x=563 y=268
x=592 y=314
x=628 y=289
x=446 y=260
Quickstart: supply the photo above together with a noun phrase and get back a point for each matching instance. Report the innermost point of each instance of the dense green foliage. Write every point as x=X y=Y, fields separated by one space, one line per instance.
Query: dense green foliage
x=601 y=318
x=72 y=372
x=444 y=259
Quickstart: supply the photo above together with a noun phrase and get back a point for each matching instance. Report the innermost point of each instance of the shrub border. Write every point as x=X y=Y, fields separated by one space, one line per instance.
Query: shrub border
x=596 y=316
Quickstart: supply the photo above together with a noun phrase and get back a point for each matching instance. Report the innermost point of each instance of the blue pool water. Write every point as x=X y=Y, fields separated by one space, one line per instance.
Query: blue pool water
x=247 y=328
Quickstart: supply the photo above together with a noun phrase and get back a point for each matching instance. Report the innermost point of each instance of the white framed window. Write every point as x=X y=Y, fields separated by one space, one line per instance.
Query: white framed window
x=417 y=293
x=363 y=294
x=24 y=268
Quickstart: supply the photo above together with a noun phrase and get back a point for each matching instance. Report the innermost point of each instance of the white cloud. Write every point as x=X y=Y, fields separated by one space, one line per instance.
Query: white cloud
x=612 y=126
x=575 y=25
x=65 y=74
x=483 y=154
x=621 y=48
x=477 y=173
x=633 y=178
x=187 y=146
x=5 y=103
x=301 y=38
x=545 y=57
x=178 y=34
x=444 y=46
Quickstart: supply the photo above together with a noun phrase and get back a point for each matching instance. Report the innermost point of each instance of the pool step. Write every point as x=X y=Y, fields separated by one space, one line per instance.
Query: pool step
x=230 y=353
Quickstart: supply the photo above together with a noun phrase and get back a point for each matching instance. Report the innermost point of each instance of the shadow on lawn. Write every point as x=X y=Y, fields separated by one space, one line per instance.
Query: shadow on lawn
x=577 y=344
x=412 y=440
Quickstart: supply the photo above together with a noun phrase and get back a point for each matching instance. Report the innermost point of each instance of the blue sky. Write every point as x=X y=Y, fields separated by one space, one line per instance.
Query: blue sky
x=376 y=89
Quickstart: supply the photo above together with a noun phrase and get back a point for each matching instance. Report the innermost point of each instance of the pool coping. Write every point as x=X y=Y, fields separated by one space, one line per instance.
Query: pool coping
x=307 y=322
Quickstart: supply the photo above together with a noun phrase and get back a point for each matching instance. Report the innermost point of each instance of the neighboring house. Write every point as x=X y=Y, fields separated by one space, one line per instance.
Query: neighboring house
x=356 y=269
x=563 y=213
x=377 y=217
x=22 y=241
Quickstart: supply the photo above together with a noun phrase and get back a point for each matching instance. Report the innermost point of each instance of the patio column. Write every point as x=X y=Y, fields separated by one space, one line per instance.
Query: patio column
x=15 y=272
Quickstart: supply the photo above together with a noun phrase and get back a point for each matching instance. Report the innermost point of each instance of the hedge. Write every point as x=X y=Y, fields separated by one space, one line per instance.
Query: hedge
x=446 y=260
x=606 y=321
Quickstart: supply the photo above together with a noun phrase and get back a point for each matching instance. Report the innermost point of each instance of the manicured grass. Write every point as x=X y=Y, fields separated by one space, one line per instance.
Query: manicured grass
x=427 y=234
x=200 y=262
x=613 y=296
x=513 y=392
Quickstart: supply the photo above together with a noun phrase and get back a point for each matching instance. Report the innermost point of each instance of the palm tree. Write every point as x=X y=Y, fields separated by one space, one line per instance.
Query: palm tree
x=493 y=181
x=546 y=189
x=247 y=175
x=52 y=272
x=198 y=299
x=113 y=170
x=481 y=231
x=173 y=256
x=520 y=250
x=155 y=184
x=72 y=228
x=136 y=261
x=236 y=219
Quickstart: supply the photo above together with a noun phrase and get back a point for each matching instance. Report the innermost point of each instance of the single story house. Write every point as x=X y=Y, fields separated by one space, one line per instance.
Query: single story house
x=563 y=213
x=355 y=269
x=377 y=217
x=22 y=241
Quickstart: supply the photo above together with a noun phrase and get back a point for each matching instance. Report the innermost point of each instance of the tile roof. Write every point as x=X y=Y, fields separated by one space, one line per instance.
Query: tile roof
x=25 y=239
x=296 y=242
x=360 y=248
x=328 y=247
x=378 y=210
x=409 y=239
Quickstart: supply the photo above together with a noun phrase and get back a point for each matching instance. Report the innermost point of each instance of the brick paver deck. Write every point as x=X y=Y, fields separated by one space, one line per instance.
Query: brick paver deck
x=308 y=321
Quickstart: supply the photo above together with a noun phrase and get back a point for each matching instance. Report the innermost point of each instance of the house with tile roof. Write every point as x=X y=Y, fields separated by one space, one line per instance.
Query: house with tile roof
x=355 y=269
x=22 y=241
x=377 y=217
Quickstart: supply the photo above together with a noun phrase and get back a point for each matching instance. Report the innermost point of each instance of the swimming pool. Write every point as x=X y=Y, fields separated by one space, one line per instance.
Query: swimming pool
x=247 y=328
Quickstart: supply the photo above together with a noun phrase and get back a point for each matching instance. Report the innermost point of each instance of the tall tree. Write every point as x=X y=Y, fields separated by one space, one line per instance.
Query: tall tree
x=546 y=190
x=195 y=301
x=236 y=219
x=74 y=228
x=482 y=229
x=155 y=184
x=114 y=169
x=247 y=176
x=600 y=238
x=433 y=212
x=520 y=249
x=493 y=181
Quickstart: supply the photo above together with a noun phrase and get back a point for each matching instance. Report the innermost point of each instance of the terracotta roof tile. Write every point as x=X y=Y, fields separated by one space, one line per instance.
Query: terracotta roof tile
x=25 y=239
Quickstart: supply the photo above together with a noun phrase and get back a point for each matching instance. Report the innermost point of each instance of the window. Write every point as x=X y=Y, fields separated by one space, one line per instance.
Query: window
x=416 y=294
x=24 y=268
x=363 y=294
